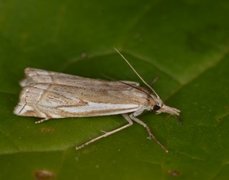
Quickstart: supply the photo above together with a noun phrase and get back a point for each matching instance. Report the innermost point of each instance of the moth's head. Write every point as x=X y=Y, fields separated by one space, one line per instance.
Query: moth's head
x=160 y=107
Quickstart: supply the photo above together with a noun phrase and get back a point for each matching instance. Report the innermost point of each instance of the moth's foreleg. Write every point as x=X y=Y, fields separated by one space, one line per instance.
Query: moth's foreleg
x=106 y=134
x=151 y=135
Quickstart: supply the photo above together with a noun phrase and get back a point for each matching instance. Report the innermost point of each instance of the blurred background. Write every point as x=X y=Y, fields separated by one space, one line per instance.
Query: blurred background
x=182 y=43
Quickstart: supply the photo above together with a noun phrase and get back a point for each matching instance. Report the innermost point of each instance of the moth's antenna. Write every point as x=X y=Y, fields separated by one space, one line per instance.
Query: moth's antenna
x=133 y=69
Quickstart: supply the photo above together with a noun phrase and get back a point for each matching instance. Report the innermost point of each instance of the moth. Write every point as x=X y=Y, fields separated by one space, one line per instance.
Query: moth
x=48 y=95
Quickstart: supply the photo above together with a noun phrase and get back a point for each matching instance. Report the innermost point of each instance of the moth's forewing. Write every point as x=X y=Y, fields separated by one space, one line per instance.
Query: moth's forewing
x=56 y=95
x=41 y=76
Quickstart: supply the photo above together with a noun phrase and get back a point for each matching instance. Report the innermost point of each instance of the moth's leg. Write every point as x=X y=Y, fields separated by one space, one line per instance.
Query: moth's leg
x=106 y=134
x=151 y=135
x=44 y=116
x=41 y=120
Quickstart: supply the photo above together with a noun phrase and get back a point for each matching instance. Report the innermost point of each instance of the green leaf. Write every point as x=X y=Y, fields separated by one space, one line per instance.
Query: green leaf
x=184 y=43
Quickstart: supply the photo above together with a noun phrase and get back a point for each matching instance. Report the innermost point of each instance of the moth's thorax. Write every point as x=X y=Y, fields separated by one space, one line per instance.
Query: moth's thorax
x=151 y=101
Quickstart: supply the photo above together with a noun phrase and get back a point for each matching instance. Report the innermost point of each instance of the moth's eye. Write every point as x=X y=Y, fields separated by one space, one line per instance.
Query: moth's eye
x=156 y=107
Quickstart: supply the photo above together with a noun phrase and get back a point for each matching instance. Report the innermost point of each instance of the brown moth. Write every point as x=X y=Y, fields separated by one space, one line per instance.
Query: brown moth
x=48 y=95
